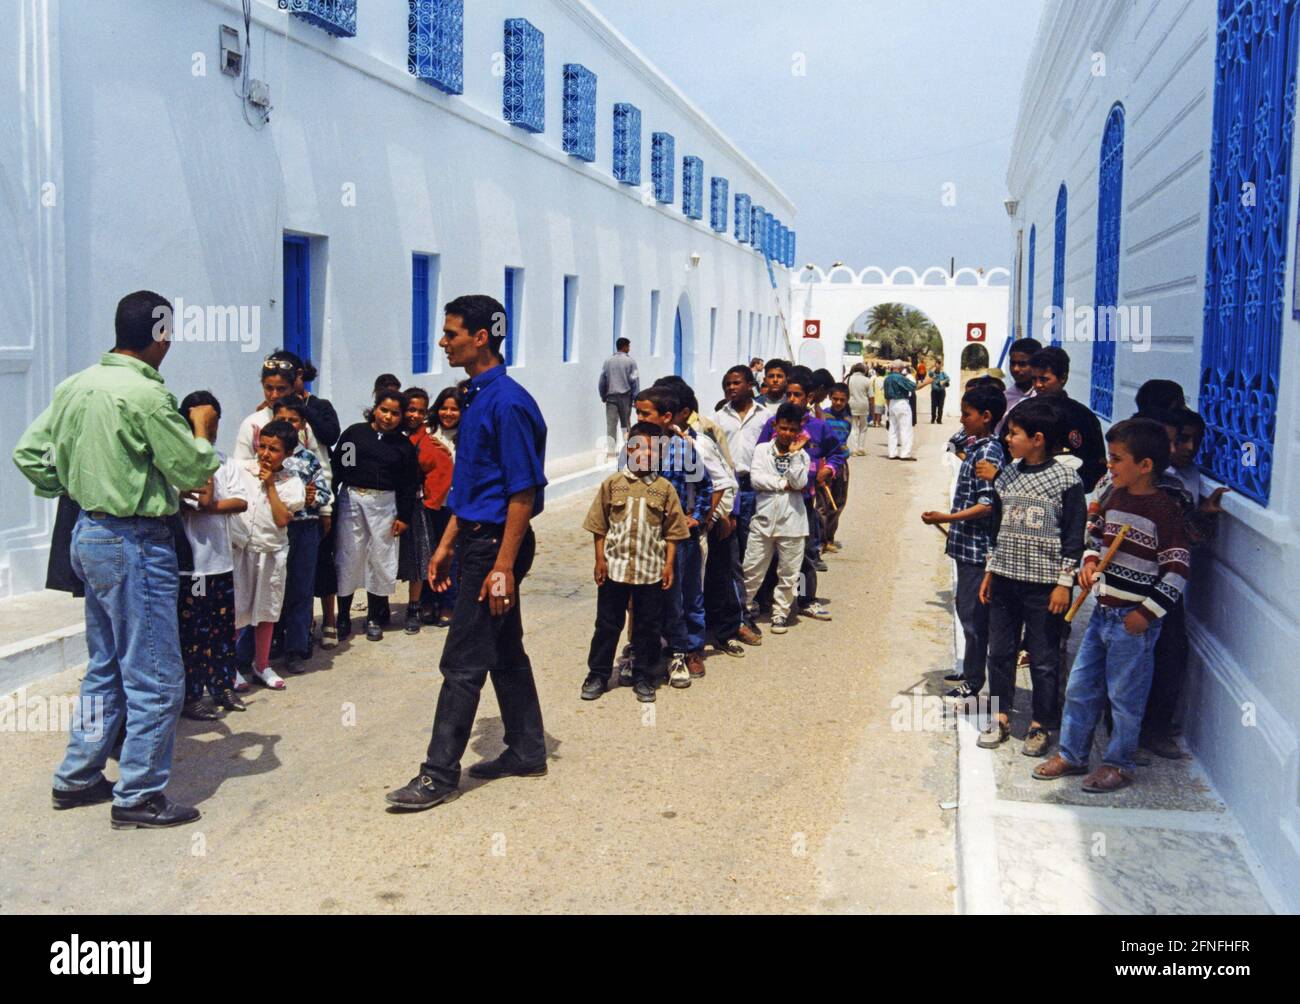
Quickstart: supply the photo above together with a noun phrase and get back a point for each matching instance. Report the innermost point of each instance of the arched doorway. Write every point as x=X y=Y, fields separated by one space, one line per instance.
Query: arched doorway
x=684 y=340
x=974 y=357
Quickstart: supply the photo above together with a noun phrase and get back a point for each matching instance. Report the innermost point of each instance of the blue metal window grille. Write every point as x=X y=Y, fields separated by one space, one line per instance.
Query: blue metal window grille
x=338 y=17
x=1058 y=260
x=693 y=187
x=436 y=44
x=718 y=204
x=1110 y=190
x=579 y=112
x=756 y=221
x=523 y=95
x=420 y=313
x=570 y=316
x=1245 y=274
x=1029 y=298
x=743 y=207
x=663 y=163
x=514 y=297
x=627 y=144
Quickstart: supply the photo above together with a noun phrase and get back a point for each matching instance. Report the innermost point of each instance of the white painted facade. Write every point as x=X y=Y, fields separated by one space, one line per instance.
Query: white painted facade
x=838 y=297
x=126 y=168
x=1159 y=63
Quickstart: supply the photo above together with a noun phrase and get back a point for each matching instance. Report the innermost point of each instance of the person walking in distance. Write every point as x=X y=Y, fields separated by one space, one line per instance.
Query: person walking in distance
x=898 y=392
x=619 y=384
x=496 y=490
x=938 y=392
x=114 y=441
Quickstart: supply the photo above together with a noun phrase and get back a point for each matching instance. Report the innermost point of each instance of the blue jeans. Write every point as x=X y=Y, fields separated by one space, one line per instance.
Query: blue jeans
x=1111 y=662
x=744 y=513
x=684 y=611
x=299 y=587
x=134 y=671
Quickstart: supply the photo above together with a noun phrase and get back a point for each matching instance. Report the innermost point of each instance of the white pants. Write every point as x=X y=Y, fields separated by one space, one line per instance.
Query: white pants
x=900 y=428
x=259 y=584
x=789 y=559
x=858 y=434
x=365 y=549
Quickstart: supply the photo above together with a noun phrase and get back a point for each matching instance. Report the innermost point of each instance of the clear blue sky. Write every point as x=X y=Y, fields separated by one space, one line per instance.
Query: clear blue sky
x=899 y=98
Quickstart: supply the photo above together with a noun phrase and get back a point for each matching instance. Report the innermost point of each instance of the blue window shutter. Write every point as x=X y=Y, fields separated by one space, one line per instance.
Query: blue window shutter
x=718 y=204
x=743 y=208
x=579 y=112
x=693 y=188
x=663 y=164
x=1110 y=190
x=338 y=17
x=419 y=313
x=1029 y=298
x=757 y=217
x=627 y=144
x=436 y=43
x=523 y=100
x=1246 y=268
x=1058 y=259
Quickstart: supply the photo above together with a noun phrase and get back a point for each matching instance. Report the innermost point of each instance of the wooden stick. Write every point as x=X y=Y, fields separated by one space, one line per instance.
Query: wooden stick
x=830 y=499
x=941 y=528
x=1101 y=567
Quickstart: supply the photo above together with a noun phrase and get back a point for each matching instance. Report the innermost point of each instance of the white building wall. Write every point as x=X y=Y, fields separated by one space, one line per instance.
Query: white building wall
x=162 y=184
x=1243 y=696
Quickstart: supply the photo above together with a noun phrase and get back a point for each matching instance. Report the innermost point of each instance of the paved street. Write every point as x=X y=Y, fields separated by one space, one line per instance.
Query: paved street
x=776 y=783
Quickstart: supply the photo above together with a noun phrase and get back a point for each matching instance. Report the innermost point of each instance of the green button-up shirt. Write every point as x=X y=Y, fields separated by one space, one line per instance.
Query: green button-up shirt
x=113 y=441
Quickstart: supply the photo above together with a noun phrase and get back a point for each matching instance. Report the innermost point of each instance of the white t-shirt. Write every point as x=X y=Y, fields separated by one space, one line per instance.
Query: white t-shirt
x=209 y=532
x=255 y=528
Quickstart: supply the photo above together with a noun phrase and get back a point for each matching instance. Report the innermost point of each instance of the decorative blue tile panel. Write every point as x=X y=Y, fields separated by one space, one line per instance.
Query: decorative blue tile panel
x=338 y=17
x=1110 y=190
x=1029 y=299
x=524 y=92
x=627 y=143
x=718 y=204
x=1246 y=269
x=663 y=166
x=1058 y=260
x=579 y=112
x=436 y=43
x=693 y=188
x=744 y=206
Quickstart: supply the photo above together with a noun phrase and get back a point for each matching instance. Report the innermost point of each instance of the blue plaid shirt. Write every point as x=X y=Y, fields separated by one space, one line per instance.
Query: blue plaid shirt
x=968 y=540
x=682 y=468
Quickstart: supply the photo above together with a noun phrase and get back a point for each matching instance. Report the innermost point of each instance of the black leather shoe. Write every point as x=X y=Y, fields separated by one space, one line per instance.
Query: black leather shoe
x=412 y=620
x=593 y=686
x=201 y=710
x=343 y=625
x=153 y=814
x=230 y=701
x=99 y=792
x=374 y=632
x=506 y=766
x=421 y=792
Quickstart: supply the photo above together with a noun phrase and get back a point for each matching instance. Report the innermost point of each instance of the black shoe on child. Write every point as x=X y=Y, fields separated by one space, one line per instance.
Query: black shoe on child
x=201 y=710
x=374 y=632
x=644 y=690
x=344 y=625
x=230 y=701
x=412 y=619
x=593 y=687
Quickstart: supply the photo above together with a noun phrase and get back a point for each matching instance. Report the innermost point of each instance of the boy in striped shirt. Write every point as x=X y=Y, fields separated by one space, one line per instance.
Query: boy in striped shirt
x=637 y=521
x=1143 y=582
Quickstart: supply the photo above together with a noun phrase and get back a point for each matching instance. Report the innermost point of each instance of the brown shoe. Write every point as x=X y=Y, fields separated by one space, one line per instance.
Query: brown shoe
x=993 y=735
x=1106 y=779
x=1036 y=742
x=1057 y=767
x=695 y=664
x=749 y=636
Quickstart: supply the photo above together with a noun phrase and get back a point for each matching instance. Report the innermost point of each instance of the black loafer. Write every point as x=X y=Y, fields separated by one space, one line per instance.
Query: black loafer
x=412 y=621
x=421 y=792
x=153 y=815
x=374 y=632
x=230 y=701
x=343 y=626
x=98 y=793
x=506 y=766
x=201 y=710
x=593 y=686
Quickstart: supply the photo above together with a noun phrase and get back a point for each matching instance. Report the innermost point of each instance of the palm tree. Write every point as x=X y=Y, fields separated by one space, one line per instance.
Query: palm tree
x=883 y=316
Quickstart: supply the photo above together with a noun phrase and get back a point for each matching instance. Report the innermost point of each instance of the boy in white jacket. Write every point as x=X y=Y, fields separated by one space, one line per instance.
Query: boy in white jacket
x=778 y=474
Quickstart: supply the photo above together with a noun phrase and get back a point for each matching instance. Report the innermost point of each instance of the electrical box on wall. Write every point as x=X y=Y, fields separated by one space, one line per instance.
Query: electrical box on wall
x=232 y=58
x=259 y=93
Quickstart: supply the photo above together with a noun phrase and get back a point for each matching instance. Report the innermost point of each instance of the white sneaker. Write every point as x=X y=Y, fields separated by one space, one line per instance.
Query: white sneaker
x=816 y=611
x=780 y=625
x=269 y=678
x=678 y=673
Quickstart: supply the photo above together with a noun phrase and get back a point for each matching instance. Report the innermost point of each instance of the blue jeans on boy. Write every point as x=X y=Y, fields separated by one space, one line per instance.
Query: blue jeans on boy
x=744 y=513
x=1110 y=663
x=134 y=671
x=684 y=609
x=299 y=587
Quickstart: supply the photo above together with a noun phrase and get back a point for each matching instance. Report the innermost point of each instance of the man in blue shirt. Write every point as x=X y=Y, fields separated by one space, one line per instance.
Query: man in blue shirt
x=496 y=490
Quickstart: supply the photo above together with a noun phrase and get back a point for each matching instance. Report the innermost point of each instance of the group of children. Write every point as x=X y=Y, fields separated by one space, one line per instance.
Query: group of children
x=302 y=511
x=712 y=520
x=1043 y=501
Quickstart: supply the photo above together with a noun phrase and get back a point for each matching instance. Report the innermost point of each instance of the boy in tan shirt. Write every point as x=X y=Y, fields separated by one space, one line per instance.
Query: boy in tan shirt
x=637 y=519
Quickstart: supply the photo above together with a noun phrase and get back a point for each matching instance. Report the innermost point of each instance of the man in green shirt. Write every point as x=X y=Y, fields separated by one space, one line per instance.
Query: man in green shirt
x=113 y=441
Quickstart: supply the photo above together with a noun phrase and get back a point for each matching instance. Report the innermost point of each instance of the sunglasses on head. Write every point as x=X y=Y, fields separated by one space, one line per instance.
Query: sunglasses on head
x=282 y=365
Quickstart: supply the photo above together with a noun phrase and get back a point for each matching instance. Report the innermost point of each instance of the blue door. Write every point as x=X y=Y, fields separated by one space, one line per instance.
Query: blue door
x=297 y=296
x=677 y=344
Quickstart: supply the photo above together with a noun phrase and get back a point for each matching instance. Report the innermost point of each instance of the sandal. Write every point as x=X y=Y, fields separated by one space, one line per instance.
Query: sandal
x=269 y=678
x=329 y=637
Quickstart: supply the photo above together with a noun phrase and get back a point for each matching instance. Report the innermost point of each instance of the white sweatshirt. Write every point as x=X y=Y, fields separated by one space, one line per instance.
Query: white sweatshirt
x=778 y=481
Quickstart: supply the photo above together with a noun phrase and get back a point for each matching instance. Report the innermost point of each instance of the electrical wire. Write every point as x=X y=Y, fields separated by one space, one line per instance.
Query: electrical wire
x=247 y=74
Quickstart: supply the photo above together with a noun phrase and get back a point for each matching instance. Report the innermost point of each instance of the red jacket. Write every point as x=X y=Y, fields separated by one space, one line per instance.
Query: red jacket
x=436 y=465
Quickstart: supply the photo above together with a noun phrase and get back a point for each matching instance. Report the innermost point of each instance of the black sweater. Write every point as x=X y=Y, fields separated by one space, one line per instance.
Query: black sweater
x=1083 y=438
x=323 y=419
x=364 y=458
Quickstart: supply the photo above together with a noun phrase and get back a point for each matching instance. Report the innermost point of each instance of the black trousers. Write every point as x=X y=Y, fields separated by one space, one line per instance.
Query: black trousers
x=1167 y=679
x=611 y=610
x=722 y=602
x=479 y=645
x=974 y=618
x=937 y=394
x=812 y=552
x=1015 y=605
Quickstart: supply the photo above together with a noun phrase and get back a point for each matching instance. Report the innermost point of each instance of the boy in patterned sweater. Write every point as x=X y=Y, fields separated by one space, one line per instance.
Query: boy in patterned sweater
x=1143 y=583
x=1037 y=541
x=637 y=520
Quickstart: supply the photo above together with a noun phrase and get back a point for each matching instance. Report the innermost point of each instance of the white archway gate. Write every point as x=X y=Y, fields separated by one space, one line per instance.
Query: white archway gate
x=838 y=297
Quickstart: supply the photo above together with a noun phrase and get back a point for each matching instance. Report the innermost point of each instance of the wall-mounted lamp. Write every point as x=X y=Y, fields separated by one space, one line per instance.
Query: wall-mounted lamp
x=1012 y=207
x=695 y=260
